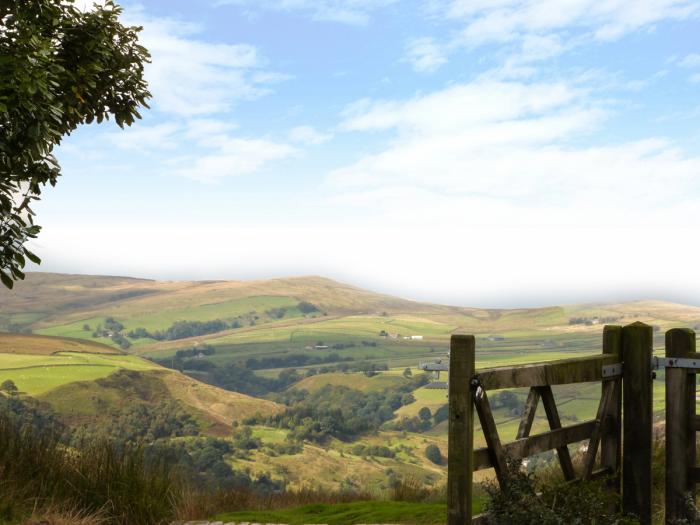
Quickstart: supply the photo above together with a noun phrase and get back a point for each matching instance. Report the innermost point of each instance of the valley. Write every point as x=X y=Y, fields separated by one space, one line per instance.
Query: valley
x=226 y=360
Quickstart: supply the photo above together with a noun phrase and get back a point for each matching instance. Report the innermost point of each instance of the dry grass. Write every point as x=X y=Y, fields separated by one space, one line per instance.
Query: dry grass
x=66 y=517
x=194 y=505
x=47 y=345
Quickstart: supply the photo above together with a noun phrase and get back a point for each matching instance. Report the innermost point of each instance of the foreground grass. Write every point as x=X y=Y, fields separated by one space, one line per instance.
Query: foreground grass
x=349 y=514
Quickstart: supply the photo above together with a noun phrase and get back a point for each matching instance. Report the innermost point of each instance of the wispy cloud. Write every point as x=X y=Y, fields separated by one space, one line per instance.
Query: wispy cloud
x=425 y=55
x=308 y=135
x=510 y=152
x=536 y=30
x=355 y=12
x=191 y=76
x=233 y=157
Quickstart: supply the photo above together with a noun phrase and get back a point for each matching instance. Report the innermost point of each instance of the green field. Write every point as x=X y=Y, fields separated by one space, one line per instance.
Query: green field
x=37 y=374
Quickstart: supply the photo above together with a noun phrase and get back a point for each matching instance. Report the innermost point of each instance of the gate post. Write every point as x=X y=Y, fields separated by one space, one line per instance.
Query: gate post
x=637 y=345
x=680 y=429
x=611 y=436
x=460 y=445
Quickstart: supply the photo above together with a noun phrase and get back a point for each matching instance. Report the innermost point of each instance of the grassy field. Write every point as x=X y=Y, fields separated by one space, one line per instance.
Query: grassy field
x=36 y=374
x=350 y=514
x=357 y=381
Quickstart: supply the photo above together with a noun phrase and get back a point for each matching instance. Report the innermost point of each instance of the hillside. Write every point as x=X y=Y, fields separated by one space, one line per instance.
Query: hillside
x=84 y=381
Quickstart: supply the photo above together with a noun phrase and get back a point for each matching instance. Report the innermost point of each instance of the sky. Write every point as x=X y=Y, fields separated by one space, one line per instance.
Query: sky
x=475 y=152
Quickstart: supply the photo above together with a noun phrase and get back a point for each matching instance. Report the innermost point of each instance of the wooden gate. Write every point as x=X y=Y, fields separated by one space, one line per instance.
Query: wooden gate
x=468 y=390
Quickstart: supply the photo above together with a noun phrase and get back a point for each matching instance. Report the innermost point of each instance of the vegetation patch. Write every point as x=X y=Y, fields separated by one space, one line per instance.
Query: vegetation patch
x=348 y=514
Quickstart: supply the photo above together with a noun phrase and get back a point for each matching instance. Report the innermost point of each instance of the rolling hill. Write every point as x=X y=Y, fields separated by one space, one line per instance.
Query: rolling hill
x=84 y=381
x=251 y=333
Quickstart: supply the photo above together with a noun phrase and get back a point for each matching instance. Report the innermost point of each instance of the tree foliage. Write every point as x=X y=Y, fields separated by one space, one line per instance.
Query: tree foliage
x=60 y=67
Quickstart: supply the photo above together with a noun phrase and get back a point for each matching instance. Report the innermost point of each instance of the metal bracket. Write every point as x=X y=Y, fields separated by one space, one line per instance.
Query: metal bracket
x=674 y=362
x=612 y=370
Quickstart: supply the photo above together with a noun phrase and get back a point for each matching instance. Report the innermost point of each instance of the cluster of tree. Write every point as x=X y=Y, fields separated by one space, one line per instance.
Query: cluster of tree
x=508 y=400
x=306 y=307
x=588 y=321
x=338 y=411
x=15 y=328
x=184 y=329
x=276 y=313
x=202 y=461
x=293 y=360
x=141 y=424
x=195 y=351
x=112 y=329
x=26 y=412
x=373 y=450
x=423 y=421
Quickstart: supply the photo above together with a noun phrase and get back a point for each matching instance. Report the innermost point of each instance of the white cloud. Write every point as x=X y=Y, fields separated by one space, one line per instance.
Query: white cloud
x=690 y=61
x=354 y=12
x=189 y=76
x=505 y=19
x=425 y=55
x=308 y=135
x=192 y=80
x=234 y=157
x=510 y=153
x=537 y=30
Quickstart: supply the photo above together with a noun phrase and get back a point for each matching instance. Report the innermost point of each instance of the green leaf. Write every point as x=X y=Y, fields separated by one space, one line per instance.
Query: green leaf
x=6 y=280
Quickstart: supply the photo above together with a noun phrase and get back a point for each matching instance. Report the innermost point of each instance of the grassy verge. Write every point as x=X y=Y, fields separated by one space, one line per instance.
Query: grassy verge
x=349 y=514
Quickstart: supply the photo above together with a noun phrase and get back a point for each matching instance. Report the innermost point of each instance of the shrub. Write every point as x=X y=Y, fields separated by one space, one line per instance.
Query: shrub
x=432 y=452
x=306 y=307
x=526 y=502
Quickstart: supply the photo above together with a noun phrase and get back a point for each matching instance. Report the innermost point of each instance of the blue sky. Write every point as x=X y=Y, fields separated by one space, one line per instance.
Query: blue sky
x=500 y=153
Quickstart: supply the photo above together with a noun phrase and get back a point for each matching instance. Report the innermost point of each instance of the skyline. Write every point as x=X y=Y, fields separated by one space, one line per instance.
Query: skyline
x=504 y=153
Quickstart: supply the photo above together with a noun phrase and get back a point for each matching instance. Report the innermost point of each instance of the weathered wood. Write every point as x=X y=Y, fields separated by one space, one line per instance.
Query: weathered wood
x=696 y=423
x=550 y=408
x=637 y=341
x=533 y=399
x=611 y=437
x=559 y=372
x=493 y=442
x=522 y=448
x=681 y=424
x=603 y=409
x=460 y=442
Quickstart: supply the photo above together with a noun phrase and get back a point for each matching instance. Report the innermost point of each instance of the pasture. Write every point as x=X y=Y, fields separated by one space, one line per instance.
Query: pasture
x=36 y=374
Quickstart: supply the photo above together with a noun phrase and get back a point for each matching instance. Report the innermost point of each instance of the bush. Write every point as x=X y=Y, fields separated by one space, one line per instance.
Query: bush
x=432 y=452
x=306 y=307
x=526 y=502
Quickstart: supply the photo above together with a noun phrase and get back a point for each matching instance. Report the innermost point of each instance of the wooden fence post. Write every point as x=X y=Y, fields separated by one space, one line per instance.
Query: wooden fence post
x=637 y=345
x=680 y=428
x=611 y=437
x=460 y=448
